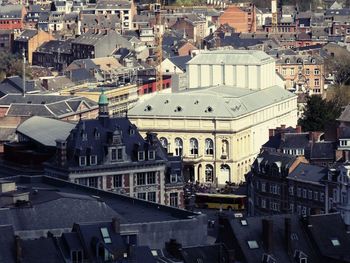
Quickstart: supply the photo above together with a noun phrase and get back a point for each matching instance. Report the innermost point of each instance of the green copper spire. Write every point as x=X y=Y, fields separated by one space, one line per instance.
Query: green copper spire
x=103 y=100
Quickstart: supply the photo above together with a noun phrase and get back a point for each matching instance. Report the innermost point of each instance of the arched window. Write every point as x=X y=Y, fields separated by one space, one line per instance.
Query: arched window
x=209 y=146
x=164 y=142
x=193 y=146
x=178 y=147
x=209 y=173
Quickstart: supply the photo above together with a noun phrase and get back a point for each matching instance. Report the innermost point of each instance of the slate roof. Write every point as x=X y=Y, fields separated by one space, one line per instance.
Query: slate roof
x=322 y=150
x=295 y=141
x=44 y=105
x=45 y=130
x=230 y=57
x=60 y=203
x=308 y=173
x=112 y=5
x=235 y=231
x=63 y=46
x=204 y=254
x=61 y=212
x=218 y=102
x=34 y=251
x=180 y=61
x=26 y=35
x=324 y=228
x=10 y=11
x=7 y=241
x=14 y=84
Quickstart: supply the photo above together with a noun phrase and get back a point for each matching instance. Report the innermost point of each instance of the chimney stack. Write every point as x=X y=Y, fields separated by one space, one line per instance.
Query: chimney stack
x=267 y=231
x=116 y=225
x=61 y=152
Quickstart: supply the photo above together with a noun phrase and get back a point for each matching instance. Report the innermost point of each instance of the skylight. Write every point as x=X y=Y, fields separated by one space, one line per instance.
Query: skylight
x=244 y=222
x=335 y=242
x=252 y=244
x=105 y=235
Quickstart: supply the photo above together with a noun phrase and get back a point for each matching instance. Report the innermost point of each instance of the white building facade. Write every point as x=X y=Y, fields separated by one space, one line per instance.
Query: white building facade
x=221 y=121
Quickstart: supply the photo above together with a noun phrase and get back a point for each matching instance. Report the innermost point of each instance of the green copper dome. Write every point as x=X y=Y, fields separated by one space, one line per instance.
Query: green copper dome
x=102 y=100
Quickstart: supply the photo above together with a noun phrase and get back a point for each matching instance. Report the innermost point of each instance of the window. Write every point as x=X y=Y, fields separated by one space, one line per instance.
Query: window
x=178 y=147
x=310 y=194
x=173 y=199
x=93 y=182
x=284 y=70
x=304 y=193
x=114 y=154
x=120 y=154
x=317 y=82
x=173 y=178
x=307 y=71
x=263 y=203
x=141 y=179
x=244 y=222
x=82 y=160
x=118 y=180
x=209 y=173
x=105 y=235
x=321 y=197
x=209 y=147
x=298 y=192
x=291 y=190
x=77 y=256
x=292 y=71
x=193 y=146
x=93 y=159
x=303 y=212
x=316 y=72
x=141 y=196
x=151 y=155
x=291 y=207
x=335 y=242
x=315 y=196
x=141 y=155
x=151 y=177
x=164 y=142
x=252 y=244
x=151 y=196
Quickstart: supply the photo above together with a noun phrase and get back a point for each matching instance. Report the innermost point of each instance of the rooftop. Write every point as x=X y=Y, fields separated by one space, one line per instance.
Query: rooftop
x=232 y=57
x=212 y=102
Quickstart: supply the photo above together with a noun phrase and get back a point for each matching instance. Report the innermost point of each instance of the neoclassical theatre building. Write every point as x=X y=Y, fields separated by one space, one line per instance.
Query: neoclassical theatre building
x=219 y=123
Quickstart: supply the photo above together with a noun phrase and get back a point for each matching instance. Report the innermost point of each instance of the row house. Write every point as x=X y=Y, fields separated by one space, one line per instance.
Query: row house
x=124 y=9
x=302 y=73
x=29 y=40
x=280 y=183
x=55 y=54
x=12 y=17
x=110 y=154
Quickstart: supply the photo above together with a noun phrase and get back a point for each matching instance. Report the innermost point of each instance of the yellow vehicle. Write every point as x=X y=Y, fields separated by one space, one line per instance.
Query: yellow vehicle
x=220 y=201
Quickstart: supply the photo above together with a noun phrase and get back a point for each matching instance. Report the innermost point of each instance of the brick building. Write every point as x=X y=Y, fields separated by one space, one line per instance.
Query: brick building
x=241 y=18
x=12 y=17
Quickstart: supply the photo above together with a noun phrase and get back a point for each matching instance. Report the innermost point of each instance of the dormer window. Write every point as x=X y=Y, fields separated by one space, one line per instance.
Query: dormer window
x=151 y=155
x=141 y=155
x=93 y=159
x=82 y=160
x=84 y=136
x=113 y=154
x=173 y=178
x=335 y=242
x=77 y=256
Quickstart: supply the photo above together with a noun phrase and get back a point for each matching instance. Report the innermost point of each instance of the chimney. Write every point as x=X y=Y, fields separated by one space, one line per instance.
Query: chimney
x=18 y=249
x=287 y=234
x=298 y=129
x=267 y=231
x=116 y=225
x=271 y=133
x=283 y=126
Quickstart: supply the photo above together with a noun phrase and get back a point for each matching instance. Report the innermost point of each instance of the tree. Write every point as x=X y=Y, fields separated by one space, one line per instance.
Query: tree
x=11 y=65
x=319 y=113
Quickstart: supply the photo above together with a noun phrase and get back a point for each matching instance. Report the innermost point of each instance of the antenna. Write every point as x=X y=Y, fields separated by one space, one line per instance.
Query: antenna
x=24 y=73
